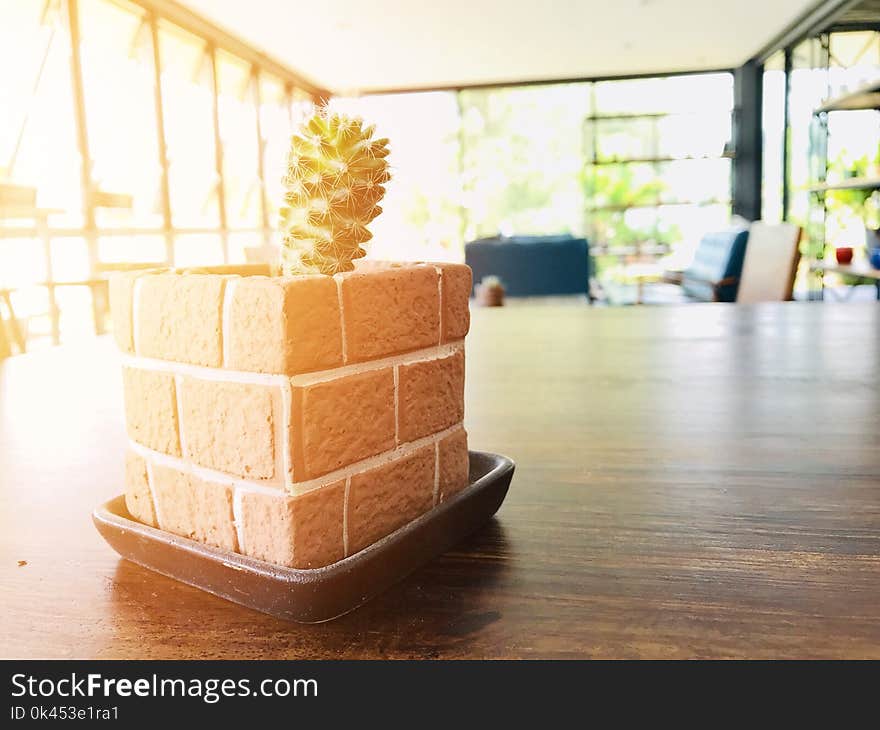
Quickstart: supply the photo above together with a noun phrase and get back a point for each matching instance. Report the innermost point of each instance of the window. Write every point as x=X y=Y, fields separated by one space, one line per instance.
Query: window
x=219 y=167
x=120 y=115
x=275 y=124
x=522 y=159
x=188 y=104
x=631 y=164
x=237 y=89
x=655 y=175
x=422 y=218
x=38 y=145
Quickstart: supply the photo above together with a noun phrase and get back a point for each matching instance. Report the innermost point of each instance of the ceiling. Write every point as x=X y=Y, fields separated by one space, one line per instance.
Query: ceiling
x=352 y=45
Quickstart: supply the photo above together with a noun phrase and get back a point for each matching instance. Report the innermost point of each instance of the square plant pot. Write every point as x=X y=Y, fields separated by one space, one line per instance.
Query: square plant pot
x=293 y=419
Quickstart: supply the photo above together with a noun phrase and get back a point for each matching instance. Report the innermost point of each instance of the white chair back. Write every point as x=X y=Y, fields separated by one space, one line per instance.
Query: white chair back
x=770 y=264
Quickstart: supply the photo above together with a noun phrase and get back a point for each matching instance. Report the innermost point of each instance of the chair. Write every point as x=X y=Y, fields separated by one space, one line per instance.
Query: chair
x=757 y=264
x=531 y=266
x=714 y=274
x=770 y=264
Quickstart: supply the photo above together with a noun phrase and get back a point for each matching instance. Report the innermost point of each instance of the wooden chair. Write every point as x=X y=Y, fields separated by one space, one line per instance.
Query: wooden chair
x=768 y=261
x=713 y=274
x=771 y=262
x=9 y=329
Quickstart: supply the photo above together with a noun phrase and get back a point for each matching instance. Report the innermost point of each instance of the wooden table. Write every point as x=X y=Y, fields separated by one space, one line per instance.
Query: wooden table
x=697 y=481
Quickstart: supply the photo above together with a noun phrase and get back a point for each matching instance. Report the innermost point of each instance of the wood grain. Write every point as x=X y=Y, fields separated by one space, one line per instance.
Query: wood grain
x=699 y=481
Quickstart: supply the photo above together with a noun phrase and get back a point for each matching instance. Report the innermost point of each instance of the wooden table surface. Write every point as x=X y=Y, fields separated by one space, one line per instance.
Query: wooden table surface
x=698 y=481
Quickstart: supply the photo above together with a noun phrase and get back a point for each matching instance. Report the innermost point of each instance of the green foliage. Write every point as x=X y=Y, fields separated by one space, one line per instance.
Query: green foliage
x=616 y=188
x=519 y=160
x=859 y=202
x=335 y=180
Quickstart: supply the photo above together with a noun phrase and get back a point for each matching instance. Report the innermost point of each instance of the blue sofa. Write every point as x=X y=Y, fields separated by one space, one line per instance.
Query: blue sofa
x=531 y=266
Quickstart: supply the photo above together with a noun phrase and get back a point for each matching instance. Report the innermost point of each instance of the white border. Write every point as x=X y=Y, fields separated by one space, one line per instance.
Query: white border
x=295 y=488
x=437 y=352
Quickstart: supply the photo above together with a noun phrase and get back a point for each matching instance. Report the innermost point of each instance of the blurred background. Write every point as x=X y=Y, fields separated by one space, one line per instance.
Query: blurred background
x=142 y=133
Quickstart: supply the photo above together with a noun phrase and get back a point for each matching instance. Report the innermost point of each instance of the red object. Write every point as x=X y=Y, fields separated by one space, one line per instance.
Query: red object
x=844 y=255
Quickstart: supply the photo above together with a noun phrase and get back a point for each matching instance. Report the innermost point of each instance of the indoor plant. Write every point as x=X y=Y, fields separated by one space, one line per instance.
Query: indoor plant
x=297 y=413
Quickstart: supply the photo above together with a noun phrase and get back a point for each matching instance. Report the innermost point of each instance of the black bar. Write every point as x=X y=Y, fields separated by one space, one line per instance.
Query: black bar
x=416 y=694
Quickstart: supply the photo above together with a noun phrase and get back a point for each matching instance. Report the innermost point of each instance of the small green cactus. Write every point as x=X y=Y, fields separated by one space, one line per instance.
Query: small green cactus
x=335 y=179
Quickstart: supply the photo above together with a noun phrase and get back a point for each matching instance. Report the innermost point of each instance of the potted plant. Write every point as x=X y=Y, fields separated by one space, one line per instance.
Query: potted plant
x=299 y=411
x=490 y=292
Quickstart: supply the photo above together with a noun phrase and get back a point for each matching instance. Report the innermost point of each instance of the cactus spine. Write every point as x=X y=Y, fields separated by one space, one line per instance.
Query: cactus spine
x=335 y=179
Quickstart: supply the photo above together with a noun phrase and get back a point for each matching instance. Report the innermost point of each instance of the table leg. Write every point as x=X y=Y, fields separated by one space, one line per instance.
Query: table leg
x=54 y=314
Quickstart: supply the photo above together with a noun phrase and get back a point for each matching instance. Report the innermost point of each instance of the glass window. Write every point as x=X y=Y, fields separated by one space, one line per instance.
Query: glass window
x=672 y=94
x=238 y=135
x=214 y=105
x=31 y=305
x=697 y=180
x=522 y=158
x=38 y=140
x=75 y=312
x=808 y=88
x=189 y=128
x=275 y=127
x=422 y=218
x=70 y=259
x=854 y=59
x=301 y=104
x=655 y=171
x=22 y=262
x=138 y=249
x=204 y=249
x=246 y=248
x=620 y=138
x=622 y=185
x=118 y=83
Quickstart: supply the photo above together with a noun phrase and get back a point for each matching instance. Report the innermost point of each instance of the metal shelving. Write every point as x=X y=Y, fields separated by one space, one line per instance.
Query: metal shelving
x=853 y=183
x=865 y=98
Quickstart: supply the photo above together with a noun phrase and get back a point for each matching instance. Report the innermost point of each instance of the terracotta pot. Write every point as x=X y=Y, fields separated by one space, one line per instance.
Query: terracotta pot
x=309 y=407
x=490 y=295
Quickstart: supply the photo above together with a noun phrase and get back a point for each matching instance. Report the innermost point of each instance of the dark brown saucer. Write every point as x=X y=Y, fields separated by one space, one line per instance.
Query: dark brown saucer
x=311 y=596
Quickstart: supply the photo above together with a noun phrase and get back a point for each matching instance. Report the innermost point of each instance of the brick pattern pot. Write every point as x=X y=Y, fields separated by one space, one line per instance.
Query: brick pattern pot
x=292 y=419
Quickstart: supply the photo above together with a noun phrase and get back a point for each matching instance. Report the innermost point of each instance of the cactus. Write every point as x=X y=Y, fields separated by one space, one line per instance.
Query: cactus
x=335 y=177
